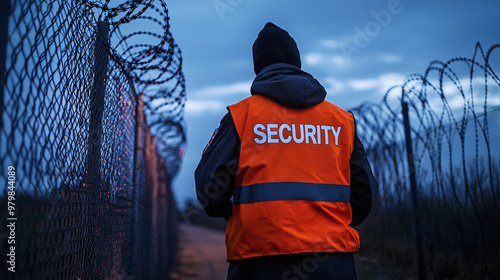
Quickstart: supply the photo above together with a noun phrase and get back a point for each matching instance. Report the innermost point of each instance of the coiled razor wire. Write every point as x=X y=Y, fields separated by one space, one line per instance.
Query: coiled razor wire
x=153 y=62
x=92 y=196
x=457 y=163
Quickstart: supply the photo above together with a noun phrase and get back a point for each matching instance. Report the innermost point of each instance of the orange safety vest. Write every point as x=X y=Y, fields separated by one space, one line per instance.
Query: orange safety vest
x=292 y=187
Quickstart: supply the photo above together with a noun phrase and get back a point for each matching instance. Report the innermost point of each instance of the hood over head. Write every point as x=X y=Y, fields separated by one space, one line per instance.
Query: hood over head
x=274 y=45
x=289 y=86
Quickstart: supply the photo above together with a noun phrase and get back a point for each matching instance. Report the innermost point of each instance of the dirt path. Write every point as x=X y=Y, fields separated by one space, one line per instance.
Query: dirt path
x=202 y=254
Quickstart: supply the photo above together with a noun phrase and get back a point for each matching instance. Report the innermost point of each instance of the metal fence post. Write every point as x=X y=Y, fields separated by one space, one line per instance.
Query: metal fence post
x=93 y=159
x=414 y=194
x=92 y=179
x=139 y=119
x=4 y=37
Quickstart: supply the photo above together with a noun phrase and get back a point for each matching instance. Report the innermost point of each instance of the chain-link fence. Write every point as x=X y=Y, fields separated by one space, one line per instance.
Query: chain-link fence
x=453 y=107
x=85 y=185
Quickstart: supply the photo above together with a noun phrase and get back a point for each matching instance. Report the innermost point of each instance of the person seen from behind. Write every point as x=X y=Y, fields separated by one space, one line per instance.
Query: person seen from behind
x=288 y=172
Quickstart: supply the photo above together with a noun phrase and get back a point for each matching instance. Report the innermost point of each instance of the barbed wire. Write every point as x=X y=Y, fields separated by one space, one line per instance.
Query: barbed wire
x=457 y=170
x=153 y=61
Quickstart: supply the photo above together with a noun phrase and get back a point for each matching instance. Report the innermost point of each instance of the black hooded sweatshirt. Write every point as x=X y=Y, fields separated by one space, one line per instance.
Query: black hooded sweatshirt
x=291 y=87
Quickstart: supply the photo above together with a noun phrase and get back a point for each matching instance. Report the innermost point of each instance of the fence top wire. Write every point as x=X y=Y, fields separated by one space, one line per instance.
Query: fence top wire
x=450 y=109
x=153 y=61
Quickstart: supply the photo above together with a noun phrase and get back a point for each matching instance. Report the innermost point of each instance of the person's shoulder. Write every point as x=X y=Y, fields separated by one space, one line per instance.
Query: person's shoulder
x=337 y=109
x=253 y=99
x=239 y=103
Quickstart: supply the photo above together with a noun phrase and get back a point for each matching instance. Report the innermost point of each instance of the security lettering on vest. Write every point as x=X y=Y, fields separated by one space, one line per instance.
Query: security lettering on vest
x=302 y=133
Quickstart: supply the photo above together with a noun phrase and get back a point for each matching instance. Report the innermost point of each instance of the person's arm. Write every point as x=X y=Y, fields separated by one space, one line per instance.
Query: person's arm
x=216 y=171
x=362 y=183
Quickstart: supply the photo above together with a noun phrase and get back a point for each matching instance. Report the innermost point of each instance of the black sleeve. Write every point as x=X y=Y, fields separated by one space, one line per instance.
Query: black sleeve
x=362 y=183
x=216 y=172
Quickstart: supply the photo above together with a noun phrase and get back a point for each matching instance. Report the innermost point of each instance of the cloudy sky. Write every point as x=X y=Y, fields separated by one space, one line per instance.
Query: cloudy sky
x=356 y=49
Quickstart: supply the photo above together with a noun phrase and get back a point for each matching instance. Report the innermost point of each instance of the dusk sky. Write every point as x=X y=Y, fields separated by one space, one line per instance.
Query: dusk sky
x=355 y=49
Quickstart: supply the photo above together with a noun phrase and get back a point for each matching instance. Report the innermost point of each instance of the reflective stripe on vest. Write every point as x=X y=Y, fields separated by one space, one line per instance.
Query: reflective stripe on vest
x=292 y=187
x=291 y=191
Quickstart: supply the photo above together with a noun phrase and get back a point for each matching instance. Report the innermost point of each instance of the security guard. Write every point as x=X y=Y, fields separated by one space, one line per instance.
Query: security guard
x=288 y=172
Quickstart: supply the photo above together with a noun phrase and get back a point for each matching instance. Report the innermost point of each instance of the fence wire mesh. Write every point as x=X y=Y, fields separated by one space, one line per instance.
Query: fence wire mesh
x=452 y=107
x=92 y=197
